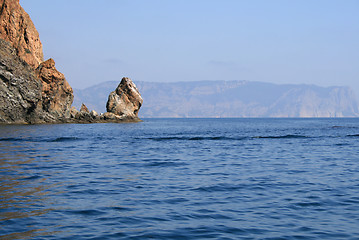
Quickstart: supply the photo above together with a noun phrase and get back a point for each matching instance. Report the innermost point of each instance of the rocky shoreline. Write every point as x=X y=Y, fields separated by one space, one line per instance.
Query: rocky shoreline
x=122 y=106
x=33 y=91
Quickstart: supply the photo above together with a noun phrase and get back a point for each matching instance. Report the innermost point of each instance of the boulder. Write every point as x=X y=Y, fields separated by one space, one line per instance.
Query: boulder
x=74 y=112
x=125 y=101
x=94 y=114
x=84 y=109
x=111 y=116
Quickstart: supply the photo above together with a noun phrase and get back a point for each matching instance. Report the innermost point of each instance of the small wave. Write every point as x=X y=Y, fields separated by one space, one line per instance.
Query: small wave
x=223 y=138
x=283 y=136
x=89 y=212
x=31 y=178
x=166 y=138
x=155 y=219
x=59 y=139
x=86 y=192
x=122 y=209
x=176 y=200
x=336 y=126
x=65 y=139
x=342 y=144
x=348 y=127
x=219 y=188
x=218 y=138
x=353 y=135
x=165 y=164
x=11 y=139
x=210 y=216
x=308 y=204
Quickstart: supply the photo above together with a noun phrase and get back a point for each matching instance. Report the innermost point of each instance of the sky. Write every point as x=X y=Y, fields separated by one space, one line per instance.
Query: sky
x=277 y=41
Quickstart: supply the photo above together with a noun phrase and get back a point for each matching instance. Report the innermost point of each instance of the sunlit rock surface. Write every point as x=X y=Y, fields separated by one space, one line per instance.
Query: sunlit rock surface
x=125 y=101
x=17 y=28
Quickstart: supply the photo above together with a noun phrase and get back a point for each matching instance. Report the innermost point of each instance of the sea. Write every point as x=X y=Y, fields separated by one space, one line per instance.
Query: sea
x=181 y=179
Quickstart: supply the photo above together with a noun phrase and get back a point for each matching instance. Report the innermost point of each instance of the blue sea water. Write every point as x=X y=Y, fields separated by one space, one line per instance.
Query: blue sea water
x=181 y=179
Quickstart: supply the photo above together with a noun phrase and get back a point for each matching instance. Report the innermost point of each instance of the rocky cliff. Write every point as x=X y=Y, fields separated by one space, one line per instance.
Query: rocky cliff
x=20 y=89
x=33 y=90
x=18 y=29
x=57 y=94
x=123 y=104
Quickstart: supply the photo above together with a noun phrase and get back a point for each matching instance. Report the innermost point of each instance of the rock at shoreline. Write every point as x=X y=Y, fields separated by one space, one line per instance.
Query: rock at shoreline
x=34 y=91
x=84 y=109
x=94 y=114
x=20 y=89
x=57 y=94
x=125 y=101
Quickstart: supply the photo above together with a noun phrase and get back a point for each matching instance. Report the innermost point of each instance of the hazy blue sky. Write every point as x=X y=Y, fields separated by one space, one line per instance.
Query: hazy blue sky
x=280 y=41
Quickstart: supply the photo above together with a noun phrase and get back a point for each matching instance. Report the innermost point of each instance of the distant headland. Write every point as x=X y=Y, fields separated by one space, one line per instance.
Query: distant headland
x=33 y=91
x=231 y=99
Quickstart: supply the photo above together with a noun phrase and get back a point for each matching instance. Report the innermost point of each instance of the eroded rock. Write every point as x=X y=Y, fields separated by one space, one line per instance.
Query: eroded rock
x=74 y=113
x=94 y=114
x=44 y=93
x=84 y=109
x=125 y=101
x=57 y=94
x=17 y=28
x=20 y=89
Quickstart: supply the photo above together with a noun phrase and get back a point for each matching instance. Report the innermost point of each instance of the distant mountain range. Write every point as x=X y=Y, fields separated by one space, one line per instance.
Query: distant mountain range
x=229 y=99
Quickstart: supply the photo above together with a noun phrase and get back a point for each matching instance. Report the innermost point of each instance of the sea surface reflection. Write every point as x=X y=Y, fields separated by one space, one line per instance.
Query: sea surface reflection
x=25 y=189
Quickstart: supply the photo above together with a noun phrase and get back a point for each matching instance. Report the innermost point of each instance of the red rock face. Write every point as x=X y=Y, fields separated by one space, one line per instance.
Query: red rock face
x=17 y=28
x=57 y=94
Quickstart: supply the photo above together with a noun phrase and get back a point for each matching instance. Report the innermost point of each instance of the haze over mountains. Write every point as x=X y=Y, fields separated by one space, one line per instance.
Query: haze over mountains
x=230 y=99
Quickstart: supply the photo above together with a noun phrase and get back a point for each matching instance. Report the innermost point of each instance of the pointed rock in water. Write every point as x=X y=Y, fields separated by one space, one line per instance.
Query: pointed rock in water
x=125 y=101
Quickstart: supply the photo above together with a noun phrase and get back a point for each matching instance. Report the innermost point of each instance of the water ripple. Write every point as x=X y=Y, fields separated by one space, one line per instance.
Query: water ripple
x=181 y=179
